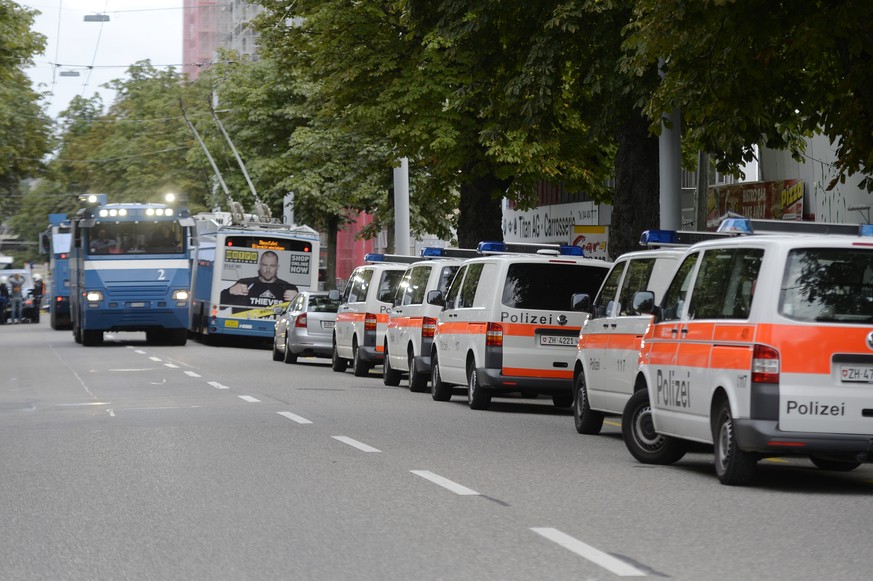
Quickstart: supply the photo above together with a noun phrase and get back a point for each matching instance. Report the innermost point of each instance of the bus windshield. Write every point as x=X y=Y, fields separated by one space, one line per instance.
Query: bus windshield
x=136 y=238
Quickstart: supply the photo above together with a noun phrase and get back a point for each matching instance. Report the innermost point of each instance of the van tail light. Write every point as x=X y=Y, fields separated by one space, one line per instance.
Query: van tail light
x=428 y=327
x=765 y=364
x=301 y=320
x=369 y=322
x=494 y=335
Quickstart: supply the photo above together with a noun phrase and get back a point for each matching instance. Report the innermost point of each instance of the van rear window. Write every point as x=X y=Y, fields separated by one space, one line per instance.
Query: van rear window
x=549 y=286
x=828 y=284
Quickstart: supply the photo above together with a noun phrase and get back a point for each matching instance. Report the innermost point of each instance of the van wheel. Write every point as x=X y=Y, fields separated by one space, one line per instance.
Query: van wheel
x=640 y=437
x=562 y=400
x=417 y=381
x=439 y=391
x=289 y=356
x=337 y=363
x=477 y=397
x=834 y=465
x=359 y=367
x=732 y=465
x=587 y=420
x=390 y=377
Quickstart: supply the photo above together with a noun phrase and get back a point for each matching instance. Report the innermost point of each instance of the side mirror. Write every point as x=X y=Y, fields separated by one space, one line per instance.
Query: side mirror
x=644 y=302
x=333 y=295
x=435 y=297
x=581 y=302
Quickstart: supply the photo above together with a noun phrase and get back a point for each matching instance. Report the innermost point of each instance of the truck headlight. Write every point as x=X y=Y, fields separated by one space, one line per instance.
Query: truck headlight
x=180 y=295
x=93 y=296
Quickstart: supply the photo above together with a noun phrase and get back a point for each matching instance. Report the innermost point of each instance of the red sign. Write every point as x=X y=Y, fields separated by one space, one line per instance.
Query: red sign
x=761 y=200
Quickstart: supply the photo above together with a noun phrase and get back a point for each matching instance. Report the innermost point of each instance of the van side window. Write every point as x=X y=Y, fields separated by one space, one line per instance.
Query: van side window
x=455 y=289
x=359 y=284
x=446 y=276
x=414 y=285
x=674 y=298
x=471 y=282
x=388 y=284
x=725 y=283
x=637 y=279
x=608 y=291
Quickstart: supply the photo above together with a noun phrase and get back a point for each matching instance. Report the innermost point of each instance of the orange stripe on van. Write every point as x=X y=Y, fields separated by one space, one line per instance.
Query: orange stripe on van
x=345 y=317
x=546 y=373
x=625 y=342
x=809 y=348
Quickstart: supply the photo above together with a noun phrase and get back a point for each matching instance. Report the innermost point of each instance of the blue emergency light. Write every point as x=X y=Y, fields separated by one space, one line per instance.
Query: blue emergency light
x=658 y=237
x=736 y=225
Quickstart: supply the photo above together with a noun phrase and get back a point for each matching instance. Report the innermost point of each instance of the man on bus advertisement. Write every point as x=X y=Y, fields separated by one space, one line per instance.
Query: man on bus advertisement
x=256 y=295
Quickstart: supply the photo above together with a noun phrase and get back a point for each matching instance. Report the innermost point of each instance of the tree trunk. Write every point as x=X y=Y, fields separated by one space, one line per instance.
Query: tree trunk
x=480 y=217
x=330 y=275
x=637 y=199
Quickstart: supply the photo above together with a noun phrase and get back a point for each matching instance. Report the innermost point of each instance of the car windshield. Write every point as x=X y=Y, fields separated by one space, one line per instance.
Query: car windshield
x=322 y=305
x=828 y=284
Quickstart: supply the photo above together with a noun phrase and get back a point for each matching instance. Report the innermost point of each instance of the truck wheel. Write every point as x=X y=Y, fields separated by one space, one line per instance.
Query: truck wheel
x=477 y=397
x=640 y=437
x=439 y=391
x=337 y=363
x=390 y=377
x=732 y=465
x=587 y=420
x=179 y=337
x=92 y=338
x=417 y=381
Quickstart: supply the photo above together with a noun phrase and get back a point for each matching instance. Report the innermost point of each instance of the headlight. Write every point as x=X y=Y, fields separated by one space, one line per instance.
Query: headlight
x=93 y=296
x=180 y=295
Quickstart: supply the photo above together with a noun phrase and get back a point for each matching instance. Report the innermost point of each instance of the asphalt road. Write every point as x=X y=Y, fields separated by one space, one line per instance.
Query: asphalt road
x=129 y=461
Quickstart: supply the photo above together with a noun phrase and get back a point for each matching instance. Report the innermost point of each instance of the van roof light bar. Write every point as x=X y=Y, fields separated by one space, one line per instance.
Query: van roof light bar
x=381 y=257
x=435 y=252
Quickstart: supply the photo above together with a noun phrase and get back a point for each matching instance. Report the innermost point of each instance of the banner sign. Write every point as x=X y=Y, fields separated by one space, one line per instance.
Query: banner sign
x=782 y=200
x=593 y=240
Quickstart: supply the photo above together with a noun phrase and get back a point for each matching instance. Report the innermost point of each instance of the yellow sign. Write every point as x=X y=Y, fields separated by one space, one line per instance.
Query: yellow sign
x=231 y=323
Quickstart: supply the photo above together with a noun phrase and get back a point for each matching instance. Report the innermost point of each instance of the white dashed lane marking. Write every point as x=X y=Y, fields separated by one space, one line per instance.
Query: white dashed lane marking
x=294 y=417
x=217 y=385
x=596 y=556
x=445 y=483
x=355 y=444
x=171 y=366
x=249 y=399
x=192 y=374
x=155 y=358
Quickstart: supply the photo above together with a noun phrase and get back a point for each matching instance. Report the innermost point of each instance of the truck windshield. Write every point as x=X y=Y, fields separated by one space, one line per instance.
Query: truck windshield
x=136 y=238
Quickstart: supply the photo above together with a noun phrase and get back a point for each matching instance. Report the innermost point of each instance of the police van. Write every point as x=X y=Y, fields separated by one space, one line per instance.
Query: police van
x=609 y=343
x=509 y=324
x=763 y=346
x=412 y=320
x=362 y=317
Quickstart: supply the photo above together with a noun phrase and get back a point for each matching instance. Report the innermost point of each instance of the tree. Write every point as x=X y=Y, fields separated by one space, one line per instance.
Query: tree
x=752 y=71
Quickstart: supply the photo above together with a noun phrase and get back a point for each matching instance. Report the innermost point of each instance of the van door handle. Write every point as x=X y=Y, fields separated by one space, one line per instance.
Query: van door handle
x=397 y=311
x=674 y=330
x=685 y=331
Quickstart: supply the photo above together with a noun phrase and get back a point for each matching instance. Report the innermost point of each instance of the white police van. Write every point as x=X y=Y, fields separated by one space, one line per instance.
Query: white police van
x=362 y=317
x=509 y=323
x=412 y=320
x=763 y=346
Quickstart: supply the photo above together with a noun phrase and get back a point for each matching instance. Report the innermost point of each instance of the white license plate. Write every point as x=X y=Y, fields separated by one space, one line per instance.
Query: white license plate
x=137 y=305
x=561 y=340
x=327 y=324
x=856 y=374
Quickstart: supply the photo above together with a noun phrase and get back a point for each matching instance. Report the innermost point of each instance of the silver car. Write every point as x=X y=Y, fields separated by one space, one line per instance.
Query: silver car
x=305 y=328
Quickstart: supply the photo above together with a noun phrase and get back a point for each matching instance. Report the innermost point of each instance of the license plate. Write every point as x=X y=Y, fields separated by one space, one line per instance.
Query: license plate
x=856 y=374
x=561 y=340
x=136 y=305
x=327 y=324
x=231 y=323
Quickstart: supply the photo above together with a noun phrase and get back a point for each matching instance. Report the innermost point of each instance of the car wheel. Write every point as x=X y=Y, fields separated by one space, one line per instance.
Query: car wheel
x=277 y=355
x=337 y=363
x=417 y=381
x=439 y=391
x=587 y=420
x=834 y=465
x=478 y=398
x=732 y=465
x=390 y=376
x=359 y=367
x=640 y=437
x=288 y=356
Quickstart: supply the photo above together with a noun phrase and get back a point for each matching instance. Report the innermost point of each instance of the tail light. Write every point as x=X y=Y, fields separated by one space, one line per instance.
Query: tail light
x=214 y=313
x=765 y=364
x=301 y=320
x=494 y=335
x=59 y=299
x=369 y=322
x=428 y=328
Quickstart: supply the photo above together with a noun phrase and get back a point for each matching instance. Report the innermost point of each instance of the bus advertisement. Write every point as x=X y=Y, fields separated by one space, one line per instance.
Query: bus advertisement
x=130 y=271
x=244 y=275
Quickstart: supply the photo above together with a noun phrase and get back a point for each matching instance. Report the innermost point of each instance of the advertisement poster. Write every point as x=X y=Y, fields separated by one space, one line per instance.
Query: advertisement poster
x=255 y=280
x=782 y=200
x=593 y=240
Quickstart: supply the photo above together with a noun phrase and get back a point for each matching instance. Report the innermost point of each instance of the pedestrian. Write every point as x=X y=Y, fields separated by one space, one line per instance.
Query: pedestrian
x=4 y=299
x=16 y=296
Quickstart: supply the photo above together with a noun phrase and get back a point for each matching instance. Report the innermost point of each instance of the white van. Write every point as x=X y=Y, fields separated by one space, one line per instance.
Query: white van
x=362 y=317
x=762 y=346
x=412 y=321
x=509 y=325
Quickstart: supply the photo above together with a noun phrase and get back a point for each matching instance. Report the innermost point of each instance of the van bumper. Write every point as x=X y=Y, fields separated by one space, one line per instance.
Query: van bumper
x=765 y=437
x=370 y=354
x=495 y=381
